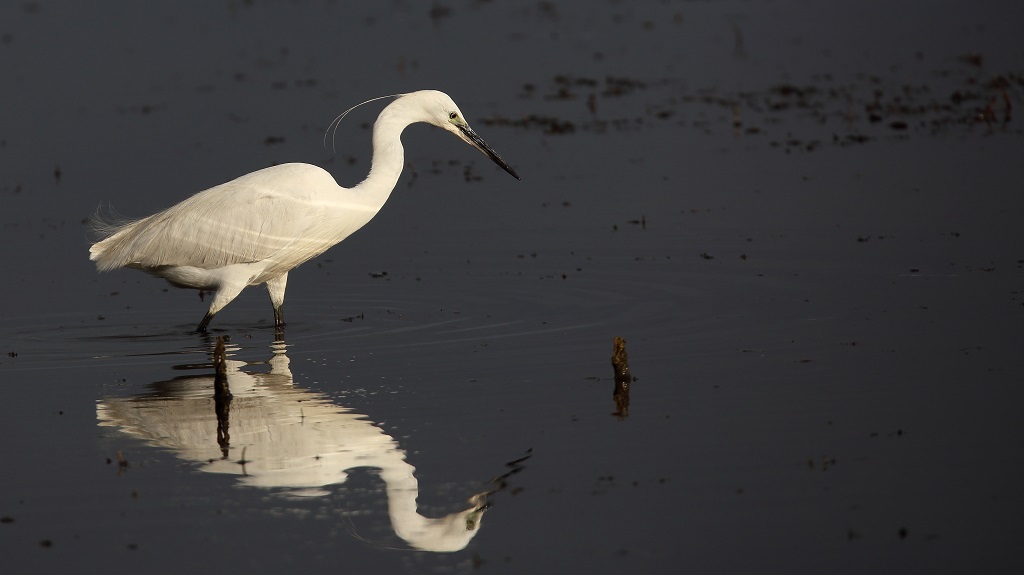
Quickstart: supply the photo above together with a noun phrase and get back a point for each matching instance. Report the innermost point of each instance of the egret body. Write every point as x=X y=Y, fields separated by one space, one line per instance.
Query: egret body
x=257 y=228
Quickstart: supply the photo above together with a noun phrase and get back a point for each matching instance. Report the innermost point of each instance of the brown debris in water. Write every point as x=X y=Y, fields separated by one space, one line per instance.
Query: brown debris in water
x=122 y=463
x=623 y=378
x=793 y=116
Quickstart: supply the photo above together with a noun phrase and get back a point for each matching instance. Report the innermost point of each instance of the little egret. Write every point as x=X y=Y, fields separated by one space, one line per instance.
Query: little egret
x=256 y=228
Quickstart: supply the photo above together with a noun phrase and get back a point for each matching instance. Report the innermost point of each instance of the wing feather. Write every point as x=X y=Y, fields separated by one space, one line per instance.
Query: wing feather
x=270 y=214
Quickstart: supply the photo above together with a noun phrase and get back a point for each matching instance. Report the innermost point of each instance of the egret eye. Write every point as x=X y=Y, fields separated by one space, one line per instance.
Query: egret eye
x=452 y=116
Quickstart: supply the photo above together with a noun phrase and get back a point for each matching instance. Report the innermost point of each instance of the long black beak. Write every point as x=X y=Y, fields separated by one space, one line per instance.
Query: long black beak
x=479 y=143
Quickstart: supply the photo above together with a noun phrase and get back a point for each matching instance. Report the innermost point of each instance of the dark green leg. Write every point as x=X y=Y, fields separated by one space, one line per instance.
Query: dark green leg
x=206 y=321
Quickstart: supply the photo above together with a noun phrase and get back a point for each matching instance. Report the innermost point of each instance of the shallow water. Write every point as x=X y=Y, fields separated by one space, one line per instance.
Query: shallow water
x=804 y=221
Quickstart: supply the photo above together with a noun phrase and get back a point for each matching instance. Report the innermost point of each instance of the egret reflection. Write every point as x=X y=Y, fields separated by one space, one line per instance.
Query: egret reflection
x=270 y=433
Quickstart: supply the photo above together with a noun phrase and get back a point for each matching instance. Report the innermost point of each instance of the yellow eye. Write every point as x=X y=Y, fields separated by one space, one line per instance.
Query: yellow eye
x=452 y=116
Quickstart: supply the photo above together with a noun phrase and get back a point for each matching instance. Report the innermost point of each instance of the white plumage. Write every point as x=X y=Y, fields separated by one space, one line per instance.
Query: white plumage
x=254 y=229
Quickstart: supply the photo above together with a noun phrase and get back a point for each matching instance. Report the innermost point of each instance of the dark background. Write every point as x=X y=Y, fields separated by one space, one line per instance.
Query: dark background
x=803 y=217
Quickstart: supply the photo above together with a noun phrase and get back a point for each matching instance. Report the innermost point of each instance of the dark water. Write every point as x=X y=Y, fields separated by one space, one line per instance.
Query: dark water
x=803 y=219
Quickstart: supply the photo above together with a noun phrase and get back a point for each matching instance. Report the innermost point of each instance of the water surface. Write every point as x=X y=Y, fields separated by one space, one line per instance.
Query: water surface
x=803 y=220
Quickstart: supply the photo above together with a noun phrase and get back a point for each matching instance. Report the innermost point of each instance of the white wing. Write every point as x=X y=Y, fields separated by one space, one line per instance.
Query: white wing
x=277 y=213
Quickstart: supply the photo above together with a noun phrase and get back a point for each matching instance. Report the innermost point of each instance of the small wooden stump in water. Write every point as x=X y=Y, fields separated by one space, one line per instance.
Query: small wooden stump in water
x=620 y=363
x=219 y=361
x=222 y=396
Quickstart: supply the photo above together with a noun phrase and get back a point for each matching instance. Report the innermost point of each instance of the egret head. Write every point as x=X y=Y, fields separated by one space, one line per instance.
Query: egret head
x=442 y=112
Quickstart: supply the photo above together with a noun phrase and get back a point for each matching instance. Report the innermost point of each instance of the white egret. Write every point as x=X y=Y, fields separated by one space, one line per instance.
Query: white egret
x=256 y=228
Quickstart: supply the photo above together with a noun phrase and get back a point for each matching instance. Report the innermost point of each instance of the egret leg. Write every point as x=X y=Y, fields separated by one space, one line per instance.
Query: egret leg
x=276 y=288
x=206 y=321
x=226 y=291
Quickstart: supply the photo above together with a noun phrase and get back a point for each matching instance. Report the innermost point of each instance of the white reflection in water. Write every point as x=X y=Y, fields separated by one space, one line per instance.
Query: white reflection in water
x=273 y=434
